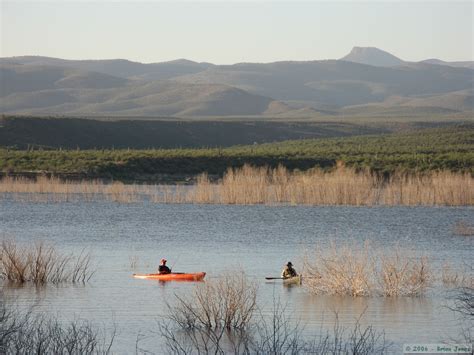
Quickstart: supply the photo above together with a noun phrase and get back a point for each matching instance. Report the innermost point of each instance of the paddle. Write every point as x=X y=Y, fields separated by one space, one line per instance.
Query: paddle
x=172 y=266
x=274 y=278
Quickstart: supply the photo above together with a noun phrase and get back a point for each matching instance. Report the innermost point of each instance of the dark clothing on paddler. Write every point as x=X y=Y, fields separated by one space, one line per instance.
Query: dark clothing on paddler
x=288 y=271
x=163 y=269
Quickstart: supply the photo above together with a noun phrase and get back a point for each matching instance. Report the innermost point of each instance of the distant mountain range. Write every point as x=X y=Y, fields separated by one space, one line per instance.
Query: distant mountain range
x=368 y=81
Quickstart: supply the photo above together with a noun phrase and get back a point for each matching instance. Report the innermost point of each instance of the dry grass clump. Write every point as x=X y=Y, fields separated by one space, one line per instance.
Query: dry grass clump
x=340 y=271
x=42 y=264
x=227 y=302
x=456 y=277
x=401 y=274
x=363 y=271
x=463 y=228
x=134 y=260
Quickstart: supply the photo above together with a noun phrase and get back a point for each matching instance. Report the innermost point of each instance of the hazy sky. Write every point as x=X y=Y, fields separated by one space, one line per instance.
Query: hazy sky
x=224 y=32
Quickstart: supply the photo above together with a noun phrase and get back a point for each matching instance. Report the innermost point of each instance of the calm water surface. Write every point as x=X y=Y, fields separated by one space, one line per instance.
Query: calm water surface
x=256 y=239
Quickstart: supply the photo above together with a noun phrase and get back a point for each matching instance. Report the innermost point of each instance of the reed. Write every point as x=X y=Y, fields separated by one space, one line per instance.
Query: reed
x=51 y=189
x=134 y=260
x=261 y=185
x=41 y=264
x=203 y=192
x=436 y=188
x=355 y=270
x=342 y=186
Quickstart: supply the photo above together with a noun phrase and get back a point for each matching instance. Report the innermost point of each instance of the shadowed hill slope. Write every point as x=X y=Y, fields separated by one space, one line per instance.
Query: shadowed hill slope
x=24 y=132
x=448 y=148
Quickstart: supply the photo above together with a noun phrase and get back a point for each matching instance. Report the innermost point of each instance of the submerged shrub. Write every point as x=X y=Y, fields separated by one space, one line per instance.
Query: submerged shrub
x=42 y=264
x=355 y=270
x=267 y=333
x=456 y=277
x=463 y=228
x=400 y=274
x=27 y=333
x=340 y=270
x=226 y=302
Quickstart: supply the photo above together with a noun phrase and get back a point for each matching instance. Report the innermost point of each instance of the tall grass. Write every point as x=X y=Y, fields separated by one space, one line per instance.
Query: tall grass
x=52 y=189
x=263 y=185
x=41 y=264
x=355 y=270
x=342 y=186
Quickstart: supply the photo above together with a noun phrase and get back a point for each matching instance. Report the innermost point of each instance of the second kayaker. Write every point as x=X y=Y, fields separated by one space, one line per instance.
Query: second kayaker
x=288 y=271
x=163 y=269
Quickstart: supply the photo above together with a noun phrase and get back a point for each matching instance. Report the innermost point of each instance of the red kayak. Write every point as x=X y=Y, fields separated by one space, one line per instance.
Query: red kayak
x=174 y=276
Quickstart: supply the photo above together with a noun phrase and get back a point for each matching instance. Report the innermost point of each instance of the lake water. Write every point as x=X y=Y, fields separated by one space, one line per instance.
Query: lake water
x=215 y=238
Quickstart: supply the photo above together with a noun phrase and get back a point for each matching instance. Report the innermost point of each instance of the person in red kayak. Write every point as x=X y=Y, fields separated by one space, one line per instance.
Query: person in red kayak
x=163 y=269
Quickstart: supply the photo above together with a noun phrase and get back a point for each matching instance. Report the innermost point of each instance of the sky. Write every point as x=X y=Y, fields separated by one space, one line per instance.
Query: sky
x=225 y=32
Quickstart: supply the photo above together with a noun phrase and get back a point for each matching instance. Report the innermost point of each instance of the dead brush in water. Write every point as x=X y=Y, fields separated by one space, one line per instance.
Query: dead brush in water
x=400 y=274
x=274 y=332
x=227 y=302
x=340 y=271
x=42 y=264
x=456 y=277
x=365 y=270
x=29 y=333
x=463 y=228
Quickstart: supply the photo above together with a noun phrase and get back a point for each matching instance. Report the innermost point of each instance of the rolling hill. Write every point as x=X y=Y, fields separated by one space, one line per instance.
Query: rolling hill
x=463 y=64
x=58 y=90
x=364 y=82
